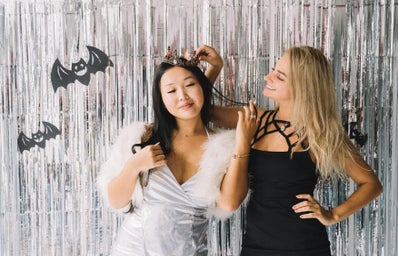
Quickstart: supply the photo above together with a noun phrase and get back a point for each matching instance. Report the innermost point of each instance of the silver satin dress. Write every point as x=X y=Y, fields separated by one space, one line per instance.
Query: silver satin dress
x=170 y=222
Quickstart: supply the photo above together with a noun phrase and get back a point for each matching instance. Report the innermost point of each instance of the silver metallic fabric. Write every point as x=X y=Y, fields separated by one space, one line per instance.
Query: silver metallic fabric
x=171 y=221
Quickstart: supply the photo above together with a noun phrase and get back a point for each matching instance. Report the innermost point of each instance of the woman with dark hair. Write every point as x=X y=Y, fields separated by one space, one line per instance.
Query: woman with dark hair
x=172 y=174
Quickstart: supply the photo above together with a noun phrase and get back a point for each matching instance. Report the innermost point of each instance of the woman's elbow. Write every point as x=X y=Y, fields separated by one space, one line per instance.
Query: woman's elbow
x=378 y=188
x=120 y=206
x=229 y=207
x=374 y=189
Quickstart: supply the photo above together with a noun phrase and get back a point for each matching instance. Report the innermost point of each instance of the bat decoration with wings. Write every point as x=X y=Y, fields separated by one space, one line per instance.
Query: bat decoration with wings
x=81 y=70
x=39 y=138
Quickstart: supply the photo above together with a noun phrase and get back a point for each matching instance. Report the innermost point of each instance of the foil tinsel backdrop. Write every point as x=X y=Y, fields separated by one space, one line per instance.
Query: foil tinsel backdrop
x=49 y=204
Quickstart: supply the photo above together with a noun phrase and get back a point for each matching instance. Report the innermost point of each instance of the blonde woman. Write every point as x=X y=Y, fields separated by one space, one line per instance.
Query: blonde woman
x=299 y=142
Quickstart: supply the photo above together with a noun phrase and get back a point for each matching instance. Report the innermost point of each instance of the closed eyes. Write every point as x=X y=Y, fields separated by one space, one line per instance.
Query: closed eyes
x=279 y=75
x=188 y=85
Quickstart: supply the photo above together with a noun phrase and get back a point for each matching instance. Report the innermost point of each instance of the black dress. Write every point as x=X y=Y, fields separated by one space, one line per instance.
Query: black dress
x=272 y=226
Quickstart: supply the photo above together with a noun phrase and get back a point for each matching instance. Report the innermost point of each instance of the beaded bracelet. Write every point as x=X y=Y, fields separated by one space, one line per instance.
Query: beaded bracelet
x=236 y=156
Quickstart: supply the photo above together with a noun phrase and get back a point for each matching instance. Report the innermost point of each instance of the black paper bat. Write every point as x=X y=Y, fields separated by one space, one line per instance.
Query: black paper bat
x=39 y=138
x=81 y=70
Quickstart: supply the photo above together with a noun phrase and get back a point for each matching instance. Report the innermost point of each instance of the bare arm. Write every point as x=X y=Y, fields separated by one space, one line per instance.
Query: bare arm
x=368 y=188
x=222 y=116
x=228 y=116
x=225 y=116
x=235 y=184
x=122 y=187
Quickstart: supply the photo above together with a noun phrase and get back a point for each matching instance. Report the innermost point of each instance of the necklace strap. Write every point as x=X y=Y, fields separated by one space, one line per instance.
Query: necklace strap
x=277 y=122
x=279 y=126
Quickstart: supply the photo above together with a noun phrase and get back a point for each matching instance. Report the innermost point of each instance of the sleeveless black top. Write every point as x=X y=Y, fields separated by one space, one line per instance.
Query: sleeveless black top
x=272 y=226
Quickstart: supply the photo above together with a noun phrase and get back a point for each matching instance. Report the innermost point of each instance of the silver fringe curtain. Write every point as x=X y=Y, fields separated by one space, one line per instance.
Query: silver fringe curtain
x=49 y=204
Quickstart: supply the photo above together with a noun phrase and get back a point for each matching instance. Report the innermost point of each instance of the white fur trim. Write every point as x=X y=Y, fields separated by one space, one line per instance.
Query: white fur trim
x=222 y=214
x=120 y=153
x=213 y=166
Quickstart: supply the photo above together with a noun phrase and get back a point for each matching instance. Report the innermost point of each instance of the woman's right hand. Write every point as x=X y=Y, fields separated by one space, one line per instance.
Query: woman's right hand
x=247 y=125
x=149 y=157
x=122 y=187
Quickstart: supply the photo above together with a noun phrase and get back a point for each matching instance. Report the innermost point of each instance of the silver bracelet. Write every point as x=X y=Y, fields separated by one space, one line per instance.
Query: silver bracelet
x=236 y=156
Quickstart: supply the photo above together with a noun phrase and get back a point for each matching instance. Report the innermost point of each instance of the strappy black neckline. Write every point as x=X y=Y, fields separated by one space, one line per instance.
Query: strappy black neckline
x=280 y=126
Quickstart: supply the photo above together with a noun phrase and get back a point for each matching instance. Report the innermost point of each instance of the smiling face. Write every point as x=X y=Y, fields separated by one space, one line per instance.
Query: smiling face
x=277 y=81
x=181 y=93
x=80 y=67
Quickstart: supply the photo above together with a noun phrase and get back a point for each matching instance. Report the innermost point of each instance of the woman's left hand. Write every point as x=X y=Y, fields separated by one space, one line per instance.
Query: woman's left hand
x=210 y=55
x=309 y=208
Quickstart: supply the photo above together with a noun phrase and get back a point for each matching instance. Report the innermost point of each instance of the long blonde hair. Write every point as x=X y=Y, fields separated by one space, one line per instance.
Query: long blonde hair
x=314 y=112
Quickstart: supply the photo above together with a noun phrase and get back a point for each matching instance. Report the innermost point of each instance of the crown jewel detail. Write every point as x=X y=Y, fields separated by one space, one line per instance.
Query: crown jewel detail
x=185 y=60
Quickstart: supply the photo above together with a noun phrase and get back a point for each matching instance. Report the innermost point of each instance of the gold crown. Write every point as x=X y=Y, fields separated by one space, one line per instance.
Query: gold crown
x=185 y=60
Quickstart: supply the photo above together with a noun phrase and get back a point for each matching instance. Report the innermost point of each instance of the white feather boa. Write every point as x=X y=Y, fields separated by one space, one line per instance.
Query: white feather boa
x=212 y=167
x=119 y=154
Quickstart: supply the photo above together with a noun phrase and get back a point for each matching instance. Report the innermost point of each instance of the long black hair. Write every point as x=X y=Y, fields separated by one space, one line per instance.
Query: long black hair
x=164 y=122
